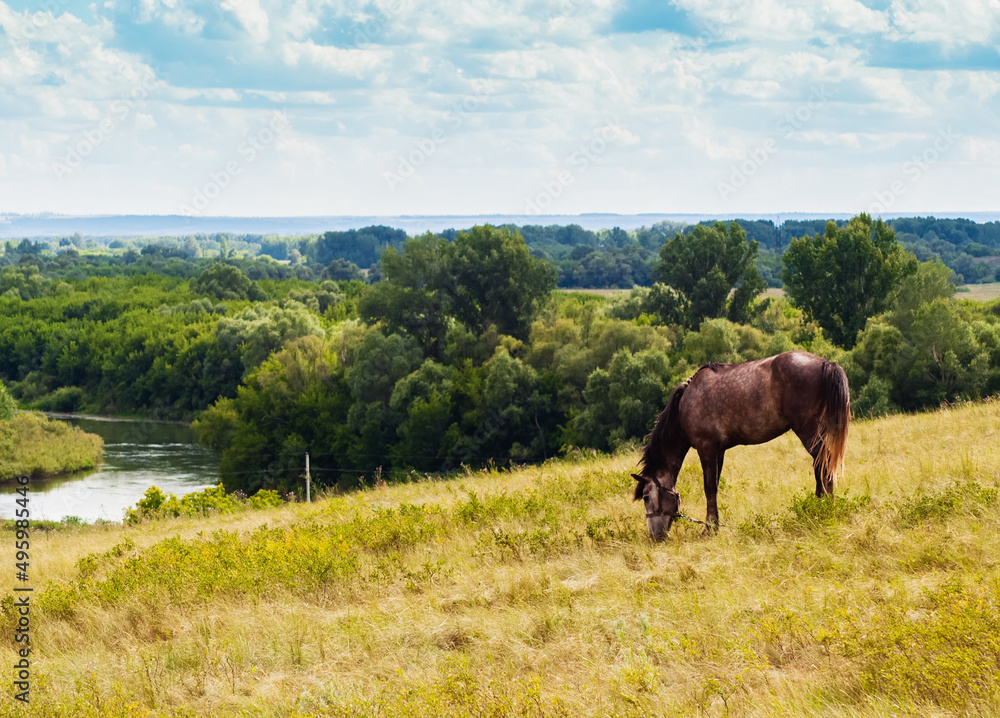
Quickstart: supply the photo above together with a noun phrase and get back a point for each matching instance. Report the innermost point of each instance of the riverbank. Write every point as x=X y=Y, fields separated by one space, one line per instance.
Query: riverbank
x=137 y=454
x=33 y=445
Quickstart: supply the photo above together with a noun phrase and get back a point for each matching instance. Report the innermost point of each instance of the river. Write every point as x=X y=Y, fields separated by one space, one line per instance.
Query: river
x=137 y=455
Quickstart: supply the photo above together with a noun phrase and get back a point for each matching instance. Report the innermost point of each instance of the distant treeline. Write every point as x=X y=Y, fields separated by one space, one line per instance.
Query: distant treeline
x=602 y=259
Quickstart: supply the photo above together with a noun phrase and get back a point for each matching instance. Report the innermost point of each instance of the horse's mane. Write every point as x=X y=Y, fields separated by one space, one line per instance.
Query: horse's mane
x=666 y=430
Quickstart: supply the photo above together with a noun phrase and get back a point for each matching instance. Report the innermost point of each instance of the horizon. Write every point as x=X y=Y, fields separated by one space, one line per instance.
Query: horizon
x=48 y=225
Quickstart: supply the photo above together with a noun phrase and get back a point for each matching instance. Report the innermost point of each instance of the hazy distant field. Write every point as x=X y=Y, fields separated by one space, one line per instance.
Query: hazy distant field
x=979 y=292
x=537 y=593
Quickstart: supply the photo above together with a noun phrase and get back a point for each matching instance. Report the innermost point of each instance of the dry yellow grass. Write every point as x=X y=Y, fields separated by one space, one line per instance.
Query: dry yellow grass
x=544 y=597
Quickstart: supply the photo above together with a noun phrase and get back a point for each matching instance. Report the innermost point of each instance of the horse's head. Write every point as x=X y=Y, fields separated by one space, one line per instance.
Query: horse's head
x=662 y=504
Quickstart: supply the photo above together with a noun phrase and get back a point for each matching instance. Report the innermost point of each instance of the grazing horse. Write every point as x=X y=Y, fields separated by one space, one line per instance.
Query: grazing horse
x=724 y=405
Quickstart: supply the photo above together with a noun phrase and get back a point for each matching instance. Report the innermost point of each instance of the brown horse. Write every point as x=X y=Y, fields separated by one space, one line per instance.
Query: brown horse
x=724 y=405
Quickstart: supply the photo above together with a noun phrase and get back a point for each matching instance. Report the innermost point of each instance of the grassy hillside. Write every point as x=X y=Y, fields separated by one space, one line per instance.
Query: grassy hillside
x=537 y=593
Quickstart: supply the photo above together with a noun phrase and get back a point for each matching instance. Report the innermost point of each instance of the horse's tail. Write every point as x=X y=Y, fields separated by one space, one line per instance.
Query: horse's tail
x=836 y=415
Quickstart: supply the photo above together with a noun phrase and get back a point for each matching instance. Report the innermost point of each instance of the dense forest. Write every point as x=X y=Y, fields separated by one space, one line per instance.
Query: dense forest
x=455 y=350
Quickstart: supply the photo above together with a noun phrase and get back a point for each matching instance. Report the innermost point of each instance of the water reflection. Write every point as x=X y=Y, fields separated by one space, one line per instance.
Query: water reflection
x=137 y=454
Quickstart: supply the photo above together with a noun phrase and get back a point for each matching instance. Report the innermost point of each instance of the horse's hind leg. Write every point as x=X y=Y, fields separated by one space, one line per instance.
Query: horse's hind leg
x=711 y=467
x=814 y=445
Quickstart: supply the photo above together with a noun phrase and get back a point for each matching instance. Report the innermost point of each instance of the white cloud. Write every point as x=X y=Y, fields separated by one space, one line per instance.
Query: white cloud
x=948 y=22
x=252 y=16
x=144 y=121
x=889 y=88
x=346 y=62
x=173 y=13
x=853 y=17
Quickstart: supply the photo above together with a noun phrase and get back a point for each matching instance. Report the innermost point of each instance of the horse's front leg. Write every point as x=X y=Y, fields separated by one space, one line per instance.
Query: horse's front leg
x=711 y=467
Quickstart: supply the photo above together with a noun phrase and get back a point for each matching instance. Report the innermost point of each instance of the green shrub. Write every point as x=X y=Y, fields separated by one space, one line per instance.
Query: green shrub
x=811 y=512
x=490 y=509
x=156 y=505
x=394 y=529
x=8 y=407
x=264 y=562
x=265 y=499
x=970 y=497
x=873 y=399
x=949 y=656
x=66 y=399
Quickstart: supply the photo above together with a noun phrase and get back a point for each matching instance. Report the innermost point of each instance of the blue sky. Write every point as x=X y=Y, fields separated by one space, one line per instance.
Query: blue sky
x=261 y=107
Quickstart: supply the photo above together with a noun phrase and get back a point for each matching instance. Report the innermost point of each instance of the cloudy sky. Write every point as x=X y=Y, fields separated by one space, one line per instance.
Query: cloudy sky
x=324 y=107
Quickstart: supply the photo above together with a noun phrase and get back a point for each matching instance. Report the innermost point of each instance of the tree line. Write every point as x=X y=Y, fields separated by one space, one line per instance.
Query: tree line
x=608 y=258
x=462 y=354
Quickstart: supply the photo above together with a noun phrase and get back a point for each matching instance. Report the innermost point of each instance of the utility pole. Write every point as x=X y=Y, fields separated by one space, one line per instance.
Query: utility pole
x=308 y=497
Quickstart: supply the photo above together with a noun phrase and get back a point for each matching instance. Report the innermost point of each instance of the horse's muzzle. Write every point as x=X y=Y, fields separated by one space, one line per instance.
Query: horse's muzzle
x=658 y=526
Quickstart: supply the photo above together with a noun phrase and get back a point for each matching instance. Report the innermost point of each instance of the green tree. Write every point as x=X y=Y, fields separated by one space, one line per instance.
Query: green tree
x=932 y=280
x=225 y=281
x=492 y=280
x=485 y=278
x=407 y=299
x=720 y=340
x=846 y=275
x=258 y=331
x=359 y=246
x=296 y=401
x=424 y=399
x=24 y=282
x=714 y=269
x=623 y=400
x=374 y=364
x=342 y=270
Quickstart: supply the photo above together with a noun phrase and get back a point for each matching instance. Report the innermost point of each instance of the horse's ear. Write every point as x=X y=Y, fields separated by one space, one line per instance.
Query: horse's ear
x=639 y=486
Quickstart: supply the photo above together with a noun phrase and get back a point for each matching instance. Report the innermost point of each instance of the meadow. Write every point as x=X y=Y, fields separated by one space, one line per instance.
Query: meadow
x=535 y=592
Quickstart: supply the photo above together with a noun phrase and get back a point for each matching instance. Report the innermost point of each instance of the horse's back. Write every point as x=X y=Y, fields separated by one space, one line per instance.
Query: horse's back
x=735 y=404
